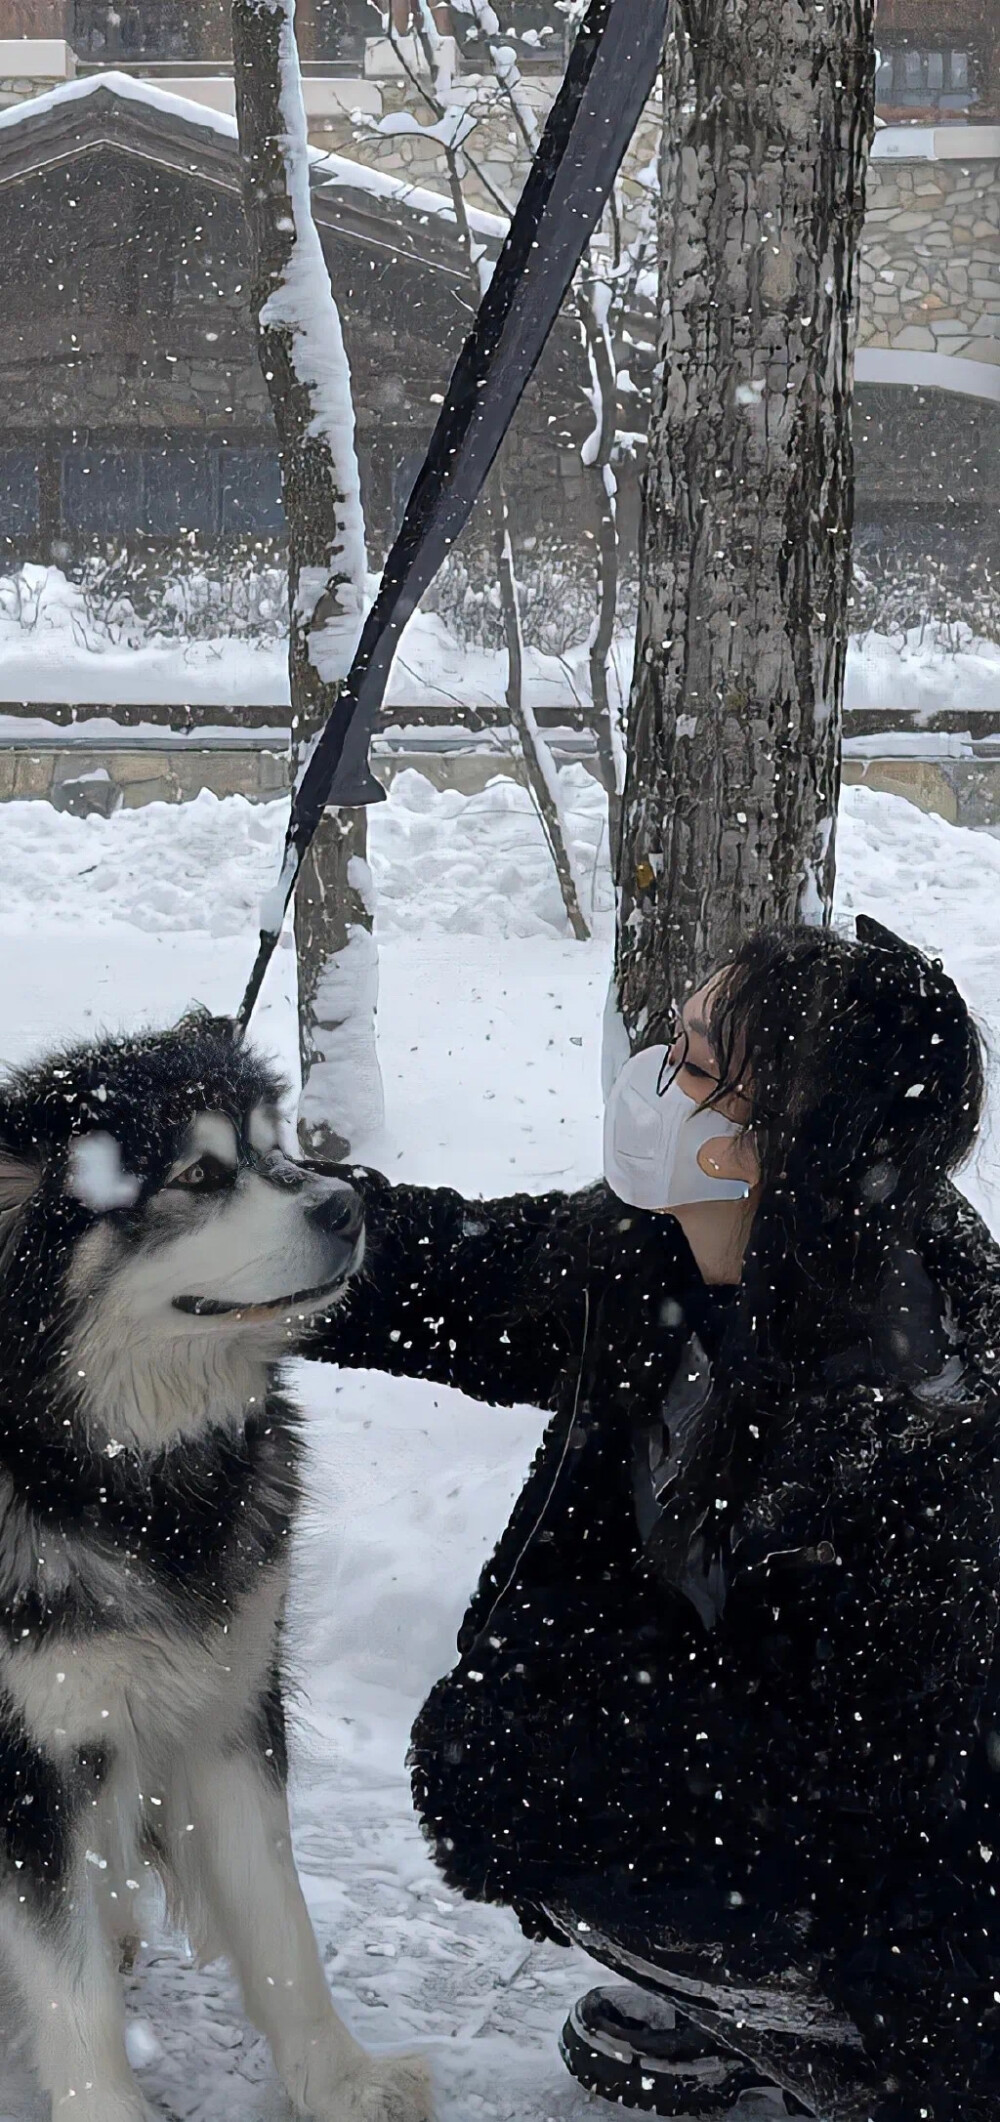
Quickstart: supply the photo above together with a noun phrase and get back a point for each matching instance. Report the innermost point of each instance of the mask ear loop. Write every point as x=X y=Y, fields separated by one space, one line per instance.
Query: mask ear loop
x=661 y=1087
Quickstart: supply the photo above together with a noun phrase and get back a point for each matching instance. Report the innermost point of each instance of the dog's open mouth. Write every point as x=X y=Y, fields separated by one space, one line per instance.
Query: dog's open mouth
x=258 y=1308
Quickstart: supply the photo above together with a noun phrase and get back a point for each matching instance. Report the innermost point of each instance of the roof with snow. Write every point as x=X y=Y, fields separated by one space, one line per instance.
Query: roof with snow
x=189 y=139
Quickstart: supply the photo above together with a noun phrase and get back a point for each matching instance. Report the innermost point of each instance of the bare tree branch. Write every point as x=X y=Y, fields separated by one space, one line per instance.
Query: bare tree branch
x=539 y=763
x=543 y=781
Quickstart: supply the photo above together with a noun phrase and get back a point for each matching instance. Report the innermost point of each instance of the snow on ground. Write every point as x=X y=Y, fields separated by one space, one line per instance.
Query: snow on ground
x=490 y=1034
x=443 y=863
x=924 y=672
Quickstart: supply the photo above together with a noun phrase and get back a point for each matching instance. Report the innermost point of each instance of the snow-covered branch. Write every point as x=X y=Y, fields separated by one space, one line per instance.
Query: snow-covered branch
x=301 y=343
x=503 y=61
x=305 y=367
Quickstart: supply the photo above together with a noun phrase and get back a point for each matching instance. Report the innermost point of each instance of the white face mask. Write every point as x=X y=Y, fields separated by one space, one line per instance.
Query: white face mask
x=652 y=1138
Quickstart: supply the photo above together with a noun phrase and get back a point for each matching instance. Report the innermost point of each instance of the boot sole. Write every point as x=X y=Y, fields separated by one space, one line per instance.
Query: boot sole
x=831 y=2084
x=652 y=2086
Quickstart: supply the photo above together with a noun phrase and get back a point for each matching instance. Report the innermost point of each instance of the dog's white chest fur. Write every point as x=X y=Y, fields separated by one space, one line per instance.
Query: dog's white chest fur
x=145 y=1693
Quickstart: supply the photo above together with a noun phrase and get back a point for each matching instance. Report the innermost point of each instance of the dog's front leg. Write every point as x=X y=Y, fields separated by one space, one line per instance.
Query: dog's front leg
x=72 y=1999
x=233 y=1855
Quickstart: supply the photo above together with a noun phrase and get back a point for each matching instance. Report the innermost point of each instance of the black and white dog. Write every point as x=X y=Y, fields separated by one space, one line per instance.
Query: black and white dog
x=158 y=1256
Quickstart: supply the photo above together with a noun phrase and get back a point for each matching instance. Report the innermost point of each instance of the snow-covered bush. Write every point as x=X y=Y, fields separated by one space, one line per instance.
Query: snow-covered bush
x=135 y=599
x=556 y=597
x=949 y=603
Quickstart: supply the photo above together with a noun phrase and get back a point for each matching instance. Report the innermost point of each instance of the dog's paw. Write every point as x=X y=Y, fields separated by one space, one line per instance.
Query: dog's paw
x=385 y=2089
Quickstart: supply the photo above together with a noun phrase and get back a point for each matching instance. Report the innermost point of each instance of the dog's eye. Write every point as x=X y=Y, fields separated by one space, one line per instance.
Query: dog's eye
x=206 y=1176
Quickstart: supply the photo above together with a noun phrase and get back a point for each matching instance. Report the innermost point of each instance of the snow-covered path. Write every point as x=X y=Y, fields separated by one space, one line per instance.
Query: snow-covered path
x=490 y=1028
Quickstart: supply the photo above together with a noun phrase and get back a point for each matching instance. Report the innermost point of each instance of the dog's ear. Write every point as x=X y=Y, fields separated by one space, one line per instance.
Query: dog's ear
x=200 y=1019
x=20 y=1176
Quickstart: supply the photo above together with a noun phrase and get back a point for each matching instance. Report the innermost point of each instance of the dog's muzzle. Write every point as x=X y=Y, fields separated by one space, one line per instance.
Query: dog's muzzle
x=339 y=1215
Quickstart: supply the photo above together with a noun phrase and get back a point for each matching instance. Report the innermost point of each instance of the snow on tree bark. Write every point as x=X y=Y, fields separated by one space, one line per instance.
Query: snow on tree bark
x=305 y=367
x=341 y=1084
x=733 y=755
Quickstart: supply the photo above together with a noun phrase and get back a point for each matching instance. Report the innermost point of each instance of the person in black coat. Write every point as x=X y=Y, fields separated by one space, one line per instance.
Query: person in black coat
x=727 y=1705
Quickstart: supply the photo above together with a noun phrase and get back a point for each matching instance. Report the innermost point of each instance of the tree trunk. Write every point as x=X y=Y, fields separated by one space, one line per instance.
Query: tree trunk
x=305 y=368
x=337 y=962
x=733 y=744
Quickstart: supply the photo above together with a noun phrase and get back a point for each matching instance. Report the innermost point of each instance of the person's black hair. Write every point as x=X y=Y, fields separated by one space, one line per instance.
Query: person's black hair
x=869 y=1033
x=864 y=1071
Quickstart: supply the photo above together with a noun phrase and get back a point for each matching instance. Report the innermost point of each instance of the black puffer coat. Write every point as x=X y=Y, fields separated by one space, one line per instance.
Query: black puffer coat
x=818 y=1767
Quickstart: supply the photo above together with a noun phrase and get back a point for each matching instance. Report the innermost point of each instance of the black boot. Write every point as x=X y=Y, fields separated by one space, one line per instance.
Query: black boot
x=634 y=2048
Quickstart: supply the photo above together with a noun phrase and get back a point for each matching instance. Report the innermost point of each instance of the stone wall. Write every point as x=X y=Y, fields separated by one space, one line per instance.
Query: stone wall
x=16 y=88
x=125 y=303
x=930 y=272
x=81 y=781
x=496 y=146
x=77 y=779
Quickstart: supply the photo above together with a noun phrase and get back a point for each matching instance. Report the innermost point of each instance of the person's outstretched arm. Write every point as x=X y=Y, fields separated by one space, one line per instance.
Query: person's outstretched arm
x=487 y=1296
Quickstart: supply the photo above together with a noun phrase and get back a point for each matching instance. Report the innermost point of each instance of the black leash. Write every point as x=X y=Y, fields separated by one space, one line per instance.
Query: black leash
x=611 y=73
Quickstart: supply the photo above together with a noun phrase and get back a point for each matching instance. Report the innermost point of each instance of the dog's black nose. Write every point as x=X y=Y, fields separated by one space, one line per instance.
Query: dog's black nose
x=339 y=1214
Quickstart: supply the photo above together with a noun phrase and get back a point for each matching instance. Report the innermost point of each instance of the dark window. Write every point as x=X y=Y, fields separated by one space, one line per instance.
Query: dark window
x=919 y=77
x=251 y=493
x=102 y=490
x=150 y=29
x=163 y=493
x=925 y=448
x=18 y=493
x=336 y=31
x=538 y=30
x=180 y=492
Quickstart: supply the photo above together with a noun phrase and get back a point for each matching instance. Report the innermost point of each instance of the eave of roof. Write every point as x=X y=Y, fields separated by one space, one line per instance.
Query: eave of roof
x=407 y=223
x=190 y=139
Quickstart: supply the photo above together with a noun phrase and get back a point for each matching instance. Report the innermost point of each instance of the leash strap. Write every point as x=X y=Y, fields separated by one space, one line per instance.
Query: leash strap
x=611 y=73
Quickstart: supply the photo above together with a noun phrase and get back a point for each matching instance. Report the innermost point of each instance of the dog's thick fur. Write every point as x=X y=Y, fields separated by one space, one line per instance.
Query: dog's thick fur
x=158 y=1254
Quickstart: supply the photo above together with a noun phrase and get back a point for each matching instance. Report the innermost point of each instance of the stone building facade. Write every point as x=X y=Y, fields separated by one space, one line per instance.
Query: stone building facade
x=940 y=62
x=928 y=367
x=132 y=410
x=132 y=407
x=930 y=271
x=939 y=65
